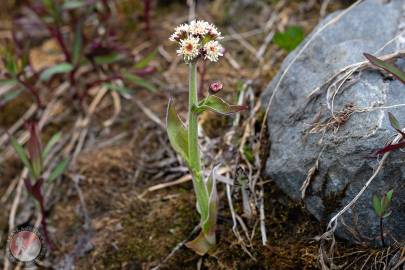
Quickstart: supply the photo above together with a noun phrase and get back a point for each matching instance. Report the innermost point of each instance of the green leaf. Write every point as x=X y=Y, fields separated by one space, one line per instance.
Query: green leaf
x=52 y=141
x=248 y=153
x=108 y=59
x=119 y=89
x=177 y=132
x=10 y=96
x=386 y=201
x=8 y=81
x=77 y=44
x=140 y=82
x=22 y=154
x=218 y=105
x=57 y=69
x=58 y=170
x=209 y=224
x=290 y=38
x=377 y=206
x=389 y=194
x=73 y=4
x=390 y=68
x=144 y=62
x=10 y=63
x=394 y=122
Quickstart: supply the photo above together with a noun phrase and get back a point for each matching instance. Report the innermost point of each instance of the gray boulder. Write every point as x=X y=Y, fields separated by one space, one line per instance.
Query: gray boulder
x=301 y=129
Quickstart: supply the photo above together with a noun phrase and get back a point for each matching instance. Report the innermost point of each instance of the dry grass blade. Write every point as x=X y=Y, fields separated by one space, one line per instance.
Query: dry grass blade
x=152 y=116
x=117 y=109
x=310 y=175
x=184 y=179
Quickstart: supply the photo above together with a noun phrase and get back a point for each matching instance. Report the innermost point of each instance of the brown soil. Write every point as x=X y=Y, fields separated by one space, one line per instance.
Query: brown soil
x=133 y=233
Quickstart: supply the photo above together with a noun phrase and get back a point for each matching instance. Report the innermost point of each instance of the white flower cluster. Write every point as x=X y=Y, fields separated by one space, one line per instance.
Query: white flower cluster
x=198 y=39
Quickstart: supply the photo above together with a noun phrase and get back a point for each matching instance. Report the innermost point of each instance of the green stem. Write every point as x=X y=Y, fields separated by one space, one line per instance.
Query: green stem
x=193 y=150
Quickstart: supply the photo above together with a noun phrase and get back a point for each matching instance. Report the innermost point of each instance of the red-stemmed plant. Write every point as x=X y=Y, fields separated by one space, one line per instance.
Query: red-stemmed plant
x=33 y=159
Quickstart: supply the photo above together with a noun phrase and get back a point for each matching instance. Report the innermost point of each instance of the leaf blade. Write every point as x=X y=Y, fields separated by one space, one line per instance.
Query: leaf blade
x=58 y=170
x=377 y=205
x=144 y=62
x=392 y=69
x=389 y=194
x=393 y=120
x=176 y=132
x=209 y=224
x=77 y=44
x=218 y=105
x=47 y=74
x=52 y=141
x=22 y=154
x=140 y=82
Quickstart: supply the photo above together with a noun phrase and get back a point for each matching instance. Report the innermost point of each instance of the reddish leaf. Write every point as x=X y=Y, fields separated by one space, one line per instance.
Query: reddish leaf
x=390 y=148
x=34 y=149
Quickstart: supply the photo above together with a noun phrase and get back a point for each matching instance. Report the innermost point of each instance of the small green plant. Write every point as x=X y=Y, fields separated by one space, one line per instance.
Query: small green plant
x=33 y=160
x=290 y=38
x=198 y=41
x=15 y=60
x=382 y=209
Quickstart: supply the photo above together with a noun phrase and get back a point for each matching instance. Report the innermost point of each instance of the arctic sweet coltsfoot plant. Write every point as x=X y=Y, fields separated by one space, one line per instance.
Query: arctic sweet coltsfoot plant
x=198 y=41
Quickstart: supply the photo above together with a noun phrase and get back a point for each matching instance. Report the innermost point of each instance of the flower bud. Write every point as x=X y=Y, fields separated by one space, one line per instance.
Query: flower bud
x=215 y=87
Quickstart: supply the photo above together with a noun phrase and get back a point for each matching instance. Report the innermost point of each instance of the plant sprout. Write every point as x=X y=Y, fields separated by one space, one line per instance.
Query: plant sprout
x=33 y=160
x=382 y=209
x=198 y=41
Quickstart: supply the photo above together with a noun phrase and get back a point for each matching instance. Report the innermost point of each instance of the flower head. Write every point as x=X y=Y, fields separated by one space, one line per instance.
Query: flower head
x=198 y=39
x=199 y=28
x=189 y=48
x=180 y=32
x=213 y=32
x=213 y=50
